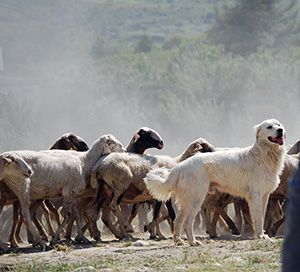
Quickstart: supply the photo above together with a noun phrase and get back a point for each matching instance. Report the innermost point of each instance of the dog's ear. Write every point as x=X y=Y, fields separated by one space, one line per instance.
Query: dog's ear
x=257 y=129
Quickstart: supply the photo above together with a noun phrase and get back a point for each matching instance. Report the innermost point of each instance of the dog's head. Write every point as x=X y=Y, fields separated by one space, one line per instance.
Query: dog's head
x=270 y=132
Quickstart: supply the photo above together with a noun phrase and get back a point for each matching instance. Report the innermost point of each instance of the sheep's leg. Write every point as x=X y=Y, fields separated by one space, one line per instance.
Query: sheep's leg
x=158 y=221
x=18 y=228
x=276 y=226
x=270 y=215
x=248 y=224
x=55 y=237
x=213 y=225
x=88 y=222
x=156 y=212
x=81 y=206
x=70 y=224
x=12 y=237
x=237 y=213
x=33 y=209
x=106 y=212
x=220 y=206
x=207 y=215
x=3 y=246
x=134 y=212
x=22 y=191
x=67 y=204
x=46 y=214
x=54 y=211
x=164 y=216
x=171 y=214
x=122 y=220
x=93 y=215
x=80 y=237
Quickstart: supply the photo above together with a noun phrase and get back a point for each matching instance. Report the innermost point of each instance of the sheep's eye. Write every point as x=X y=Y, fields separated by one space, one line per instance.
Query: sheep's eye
x=269 y=127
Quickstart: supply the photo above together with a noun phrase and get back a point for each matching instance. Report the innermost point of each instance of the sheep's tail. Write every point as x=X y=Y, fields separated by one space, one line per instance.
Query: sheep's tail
x=160 y=183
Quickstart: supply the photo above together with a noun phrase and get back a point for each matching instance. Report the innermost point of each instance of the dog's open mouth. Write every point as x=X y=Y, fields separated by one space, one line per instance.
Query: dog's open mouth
x=278 y=140
x=27 y=175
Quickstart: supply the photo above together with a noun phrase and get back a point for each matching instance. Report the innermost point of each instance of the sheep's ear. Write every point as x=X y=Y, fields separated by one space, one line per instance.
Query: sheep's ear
x=6 y=161
x=198 y=147
x=136 y=136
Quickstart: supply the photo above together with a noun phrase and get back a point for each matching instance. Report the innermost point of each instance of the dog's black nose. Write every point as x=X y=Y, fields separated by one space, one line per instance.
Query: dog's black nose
x=280 y=132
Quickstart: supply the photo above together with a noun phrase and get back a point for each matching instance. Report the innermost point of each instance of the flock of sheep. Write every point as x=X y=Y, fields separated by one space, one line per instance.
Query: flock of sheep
x=73 y=181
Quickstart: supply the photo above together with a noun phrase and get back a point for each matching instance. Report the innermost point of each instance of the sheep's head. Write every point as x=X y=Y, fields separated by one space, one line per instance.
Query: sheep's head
x=143 y=139
x=70 y=141
x=200 y=145
x=111 y=144
x=15 y=166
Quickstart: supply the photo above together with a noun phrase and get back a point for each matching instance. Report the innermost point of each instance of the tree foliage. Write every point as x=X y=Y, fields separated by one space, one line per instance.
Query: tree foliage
x=248 y=25
x=144 y=45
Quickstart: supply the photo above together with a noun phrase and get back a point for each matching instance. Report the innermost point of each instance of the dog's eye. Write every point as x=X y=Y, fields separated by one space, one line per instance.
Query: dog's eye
x=269 y=127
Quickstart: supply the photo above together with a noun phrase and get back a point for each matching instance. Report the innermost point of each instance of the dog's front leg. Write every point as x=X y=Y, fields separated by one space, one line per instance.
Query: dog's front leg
x=257 y=207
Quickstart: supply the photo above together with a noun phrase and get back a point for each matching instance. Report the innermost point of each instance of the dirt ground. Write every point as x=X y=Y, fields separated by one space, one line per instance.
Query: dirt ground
x=232 y=253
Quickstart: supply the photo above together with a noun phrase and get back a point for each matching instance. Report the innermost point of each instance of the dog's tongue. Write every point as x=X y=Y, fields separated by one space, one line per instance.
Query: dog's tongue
x=278 y=140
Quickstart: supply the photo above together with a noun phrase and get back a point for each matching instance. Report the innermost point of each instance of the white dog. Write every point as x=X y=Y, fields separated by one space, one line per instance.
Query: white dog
x=250 y=173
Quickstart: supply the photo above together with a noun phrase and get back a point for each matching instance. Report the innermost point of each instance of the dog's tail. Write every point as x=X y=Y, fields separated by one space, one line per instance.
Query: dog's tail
x=160 y=182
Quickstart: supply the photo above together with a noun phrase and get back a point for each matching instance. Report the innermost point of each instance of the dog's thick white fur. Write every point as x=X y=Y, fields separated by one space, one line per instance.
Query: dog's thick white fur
x=250 y=173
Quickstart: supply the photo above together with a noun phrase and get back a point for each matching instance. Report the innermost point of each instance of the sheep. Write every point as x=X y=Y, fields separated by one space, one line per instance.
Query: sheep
x=294 y=149
x=143 y=139
x=14 y=166
x=68 y=141
x=60 y=173
x=118 y=172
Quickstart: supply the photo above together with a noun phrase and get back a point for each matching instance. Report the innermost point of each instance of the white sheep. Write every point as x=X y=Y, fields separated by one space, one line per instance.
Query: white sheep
x=14 y=166
x=143 y=139
x=68 y=141
x=61 y=173
x=118 y=172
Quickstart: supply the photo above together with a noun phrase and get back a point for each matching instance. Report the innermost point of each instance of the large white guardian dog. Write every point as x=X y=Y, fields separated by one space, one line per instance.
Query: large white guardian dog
x=250 y=173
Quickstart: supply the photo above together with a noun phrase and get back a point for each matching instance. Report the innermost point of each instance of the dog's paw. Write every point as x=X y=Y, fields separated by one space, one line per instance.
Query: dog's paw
x=265 y=237
x=195 y=243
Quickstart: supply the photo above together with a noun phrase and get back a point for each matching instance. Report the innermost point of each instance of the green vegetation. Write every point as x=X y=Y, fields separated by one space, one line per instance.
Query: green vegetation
x=111 y=67
x=247 y=25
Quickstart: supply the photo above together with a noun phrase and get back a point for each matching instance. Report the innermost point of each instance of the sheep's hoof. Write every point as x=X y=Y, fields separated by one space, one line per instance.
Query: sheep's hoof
x=97 y=238
x=82 y=239
x=212 y=236
x=153 y=237
x=14 y=244
x=235 y=232
x=53 y=243
x=44 y=247
x=178 y=241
